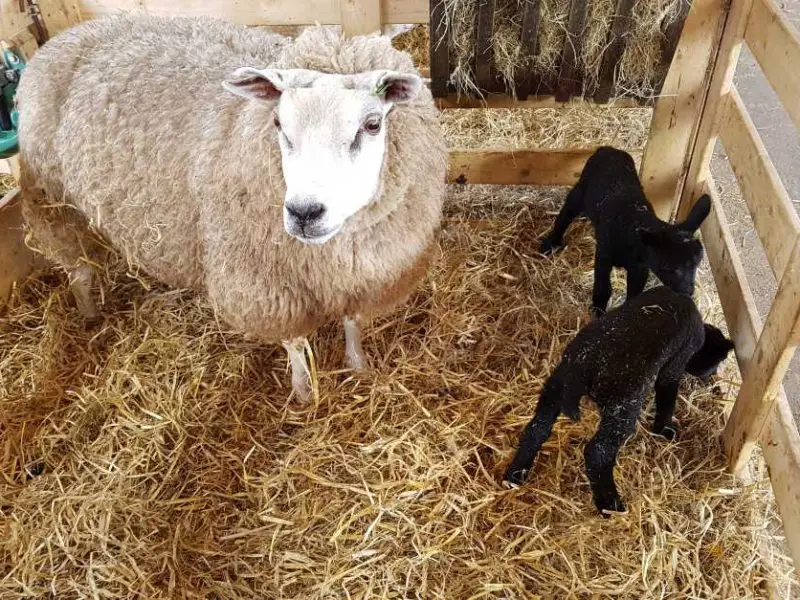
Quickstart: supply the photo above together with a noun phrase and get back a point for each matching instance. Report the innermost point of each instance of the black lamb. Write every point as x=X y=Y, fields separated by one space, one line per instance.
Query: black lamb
x=615 y=360
x=627 y=230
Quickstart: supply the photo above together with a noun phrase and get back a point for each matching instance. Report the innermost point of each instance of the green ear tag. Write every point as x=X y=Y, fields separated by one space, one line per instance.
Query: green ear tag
x=380 y=90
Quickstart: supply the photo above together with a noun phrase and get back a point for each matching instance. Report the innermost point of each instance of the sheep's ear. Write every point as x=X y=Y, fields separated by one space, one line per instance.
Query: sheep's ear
x=698 y=214
x=267 y=84
x=396 y=87
x=247 y=82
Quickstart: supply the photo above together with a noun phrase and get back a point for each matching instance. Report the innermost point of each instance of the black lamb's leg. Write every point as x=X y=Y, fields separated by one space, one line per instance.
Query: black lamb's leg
x=601 y=293
x=666 y=394
x=666 y=386
x=601 y=455
x=573 y=207
x=637 y=279
x=536 y=432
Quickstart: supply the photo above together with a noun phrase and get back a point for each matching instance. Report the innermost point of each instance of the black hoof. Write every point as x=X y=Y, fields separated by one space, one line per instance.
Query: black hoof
x=596 y=312
x=34 y=469
x=610 y=504
x=548 y=247
x=669 y=431
x=515 y=476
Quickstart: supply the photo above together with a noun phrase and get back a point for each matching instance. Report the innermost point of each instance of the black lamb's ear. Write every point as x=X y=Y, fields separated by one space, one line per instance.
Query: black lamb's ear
x=698 y=214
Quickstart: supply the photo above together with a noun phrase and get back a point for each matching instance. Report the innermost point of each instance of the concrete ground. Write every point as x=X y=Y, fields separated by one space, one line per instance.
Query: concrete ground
x=782 y=141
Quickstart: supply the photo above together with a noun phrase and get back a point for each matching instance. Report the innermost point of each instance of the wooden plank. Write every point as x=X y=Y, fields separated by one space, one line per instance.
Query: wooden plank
x=24 y=43
x=274 y=12
x=672 y=36
x=713 y=109
x=762 y=380
x=505 y=101
x=16 y=259
x=741 y=314
x=439 y=49
x=570 y=77
x=527 y=81
x=10 y=165
x=13 y=21
x=780 y=444
x=616 y=46
x=774 y=216
x=780 y=441
x=521 y=167
x=678 y=108
x=776 y=46
x=484 y=57
x=59 y=15
x=360 y=17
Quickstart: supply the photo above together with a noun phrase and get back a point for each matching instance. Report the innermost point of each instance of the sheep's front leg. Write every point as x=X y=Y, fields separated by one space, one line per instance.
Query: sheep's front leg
x=601 y=454
x=637 y=279
x=301 y=373
x=354 y=352
x=601 y=292
x=80 y=283
x=573 y=207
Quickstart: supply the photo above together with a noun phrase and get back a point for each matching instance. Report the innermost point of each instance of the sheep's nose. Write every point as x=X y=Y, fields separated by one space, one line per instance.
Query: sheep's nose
x=305 y=211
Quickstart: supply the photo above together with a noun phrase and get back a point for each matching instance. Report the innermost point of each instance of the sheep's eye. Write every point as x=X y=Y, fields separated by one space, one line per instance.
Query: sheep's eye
x=277 y=122
x=372 y=126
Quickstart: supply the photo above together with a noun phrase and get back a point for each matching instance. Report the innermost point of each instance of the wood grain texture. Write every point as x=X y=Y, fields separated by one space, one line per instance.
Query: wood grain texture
x=522 y=167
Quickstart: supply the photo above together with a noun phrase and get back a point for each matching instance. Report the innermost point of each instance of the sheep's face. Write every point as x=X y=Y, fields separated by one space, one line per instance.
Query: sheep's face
x=673 y=255
x=331 y=130
x=716 y=348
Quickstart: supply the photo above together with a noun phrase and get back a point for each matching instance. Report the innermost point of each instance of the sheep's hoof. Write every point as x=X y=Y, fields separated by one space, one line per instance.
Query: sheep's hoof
x=548 y=247
x=596 y=312
x=670 y=431
x=92 y=321
x=356 y=362
x=515 y=476
x=34 y=469
x=301 y=387
x=609 y=504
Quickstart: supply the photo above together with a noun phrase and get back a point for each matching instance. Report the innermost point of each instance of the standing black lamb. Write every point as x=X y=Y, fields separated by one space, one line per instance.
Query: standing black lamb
x=628 y=232
x=616 y=359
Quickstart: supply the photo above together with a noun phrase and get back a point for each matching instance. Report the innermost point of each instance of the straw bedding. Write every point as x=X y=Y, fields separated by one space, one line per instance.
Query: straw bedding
x=156 y=455
x=6 y=183
x=639 y=73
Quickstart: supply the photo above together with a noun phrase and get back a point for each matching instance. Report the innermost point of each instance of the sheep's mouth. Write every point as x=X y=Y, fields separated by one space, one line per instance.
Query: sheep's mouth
x=316 y=237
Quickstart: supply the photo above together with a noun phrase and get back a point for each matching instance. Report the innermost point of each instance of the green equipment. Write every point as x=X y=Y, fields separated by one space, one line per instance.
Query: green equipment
x=12 y=68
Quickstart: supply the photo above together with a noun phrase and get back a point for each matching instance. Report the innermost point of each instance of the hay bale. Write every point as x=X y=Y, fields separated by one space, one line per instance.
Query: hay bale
x=640 y=71
x=156 y=455
x=574 y=125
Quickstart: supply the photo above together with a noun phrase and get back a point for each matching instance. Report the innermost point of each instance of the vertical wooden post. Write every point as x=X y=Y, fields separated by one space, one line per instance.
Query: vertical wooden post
x=713 y=109
x=483 y=45
x=439 y=49
x=570 y=77
x=613 y=54
x=762 y=380
x=360 y=17
x=678 y=108
x=527 y=83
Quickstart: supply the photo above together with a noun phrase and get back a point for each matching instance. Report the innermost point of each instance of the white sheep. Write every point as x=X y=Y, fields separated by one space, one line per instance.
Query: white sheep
x=292 y=181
